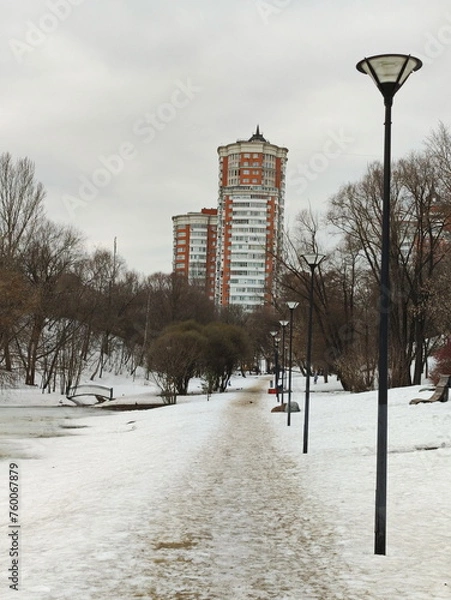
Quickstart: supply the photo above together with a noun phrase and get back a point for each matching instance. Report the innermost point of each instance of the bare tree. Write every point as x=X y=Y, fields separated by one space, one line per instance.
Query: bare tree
x=173 y=299
x=175 y=357
x=419 y=220
x=50 y=255
x=21 y=209
x=21 y=206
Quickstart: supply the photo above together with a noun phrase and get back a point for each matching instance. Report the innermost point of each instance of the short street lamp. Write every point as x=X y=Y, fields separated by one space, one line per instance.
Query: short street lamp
x=291 y=305
x=313 y=261
x=283 y=324
x=389 y=72
x=276 y=361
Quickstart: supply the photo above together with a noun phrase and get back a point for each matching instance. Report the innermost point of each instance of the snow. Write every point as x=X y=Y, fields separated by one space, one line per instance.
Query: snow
x=215 y=500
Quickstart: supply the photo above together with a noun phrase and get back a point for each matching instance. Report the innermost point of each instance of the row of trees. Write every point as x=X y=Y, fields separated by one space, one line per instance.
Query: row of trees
x=63 y=309
x=346 y=286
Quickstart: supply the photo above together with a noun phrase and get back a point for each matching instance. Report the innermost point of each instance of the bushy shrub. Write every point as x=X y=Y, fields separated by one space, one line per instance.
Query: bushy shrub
x=442 y=362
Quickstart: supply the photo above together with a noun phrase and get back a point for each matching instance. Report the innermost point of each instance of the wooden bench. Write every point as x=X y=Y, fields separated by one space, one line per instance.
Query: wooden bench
x=440 y=394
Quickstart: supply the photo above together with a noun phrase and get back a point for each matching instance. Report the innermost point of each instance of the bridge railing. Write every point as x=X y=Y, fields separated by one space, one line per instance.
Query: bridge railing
x=102 y=391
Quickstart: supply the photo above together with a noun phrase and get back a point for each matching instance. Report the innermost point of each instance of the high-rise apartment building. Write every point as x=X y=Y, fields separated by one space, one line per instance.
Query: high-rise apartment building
x=195 y=248
x=232 y=250
x=250 y=220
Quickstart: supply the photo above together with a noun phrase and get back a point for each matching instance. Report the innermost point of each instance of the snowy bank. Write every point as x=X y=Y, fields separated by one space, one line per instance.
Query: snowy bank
x=111 y=507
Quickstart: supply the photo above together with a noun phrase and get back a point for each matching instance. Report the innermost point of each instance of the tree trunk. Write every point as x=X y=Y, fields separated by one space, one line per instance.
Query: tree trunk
x=7 y=357
x=32 y=353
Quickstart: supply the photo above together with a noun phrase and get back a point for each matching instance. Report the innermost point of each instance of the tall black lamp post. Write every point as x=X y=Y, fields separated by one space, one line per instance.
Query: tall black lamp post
x=389 y=72
x=283 y=325
x=291 y=305
x=313 y=261
x=276 y=361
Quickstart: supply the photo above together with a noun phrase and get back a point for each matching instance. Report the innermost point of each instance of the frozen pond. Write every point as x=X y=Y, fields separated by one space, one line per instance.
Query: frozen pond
x=21 y=423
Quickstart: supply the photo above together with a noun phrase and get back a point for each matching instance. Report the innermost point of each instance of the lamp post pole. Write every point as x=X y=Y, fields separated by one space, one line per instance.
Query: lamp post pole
x=276 y=362
x=283 y=325
x=313 y=261
x=291 y=305
x=389 y=72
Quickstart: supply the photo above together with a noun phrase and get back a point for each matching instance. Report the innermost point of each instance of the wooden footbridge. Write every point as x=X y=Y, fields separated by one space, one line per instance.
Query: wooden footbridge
x=102 y=393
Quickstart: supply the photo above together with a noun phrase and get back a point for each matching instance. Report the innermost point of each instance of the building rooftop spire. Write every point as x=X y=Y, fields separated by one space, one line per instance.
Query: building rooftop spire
x=257 y=136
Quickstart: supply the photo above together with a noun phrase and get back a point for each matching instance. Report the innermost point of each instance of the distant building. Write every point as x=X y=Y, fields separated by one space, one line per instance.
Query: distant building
x=195 y=248
x=250 y=220
x=232 y=251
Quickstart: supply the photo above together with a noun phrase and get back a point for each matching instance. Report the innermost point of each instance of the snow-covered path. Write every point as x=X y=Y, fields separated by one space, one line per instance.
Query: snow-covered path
x=215 y=501
x=211 y=510
x=235 y=526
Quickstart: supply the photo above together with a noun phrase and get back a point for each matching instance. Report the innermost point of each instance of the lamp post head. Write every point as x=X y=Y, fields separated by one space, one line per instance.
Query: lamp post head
x=292 y=305
x=389 y=71
x=313 y=260
x=283 y=323
x=273 y=333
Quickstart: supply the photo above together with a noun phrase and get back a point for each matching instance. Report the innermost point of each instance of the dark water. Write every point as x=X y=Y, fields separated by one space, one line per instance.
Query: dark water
x=21 y=423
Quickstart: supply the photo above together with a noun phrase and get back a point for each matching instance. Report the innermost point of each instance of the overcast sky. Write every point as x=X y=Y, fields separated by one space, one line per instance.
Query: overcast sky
x=122 y=104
